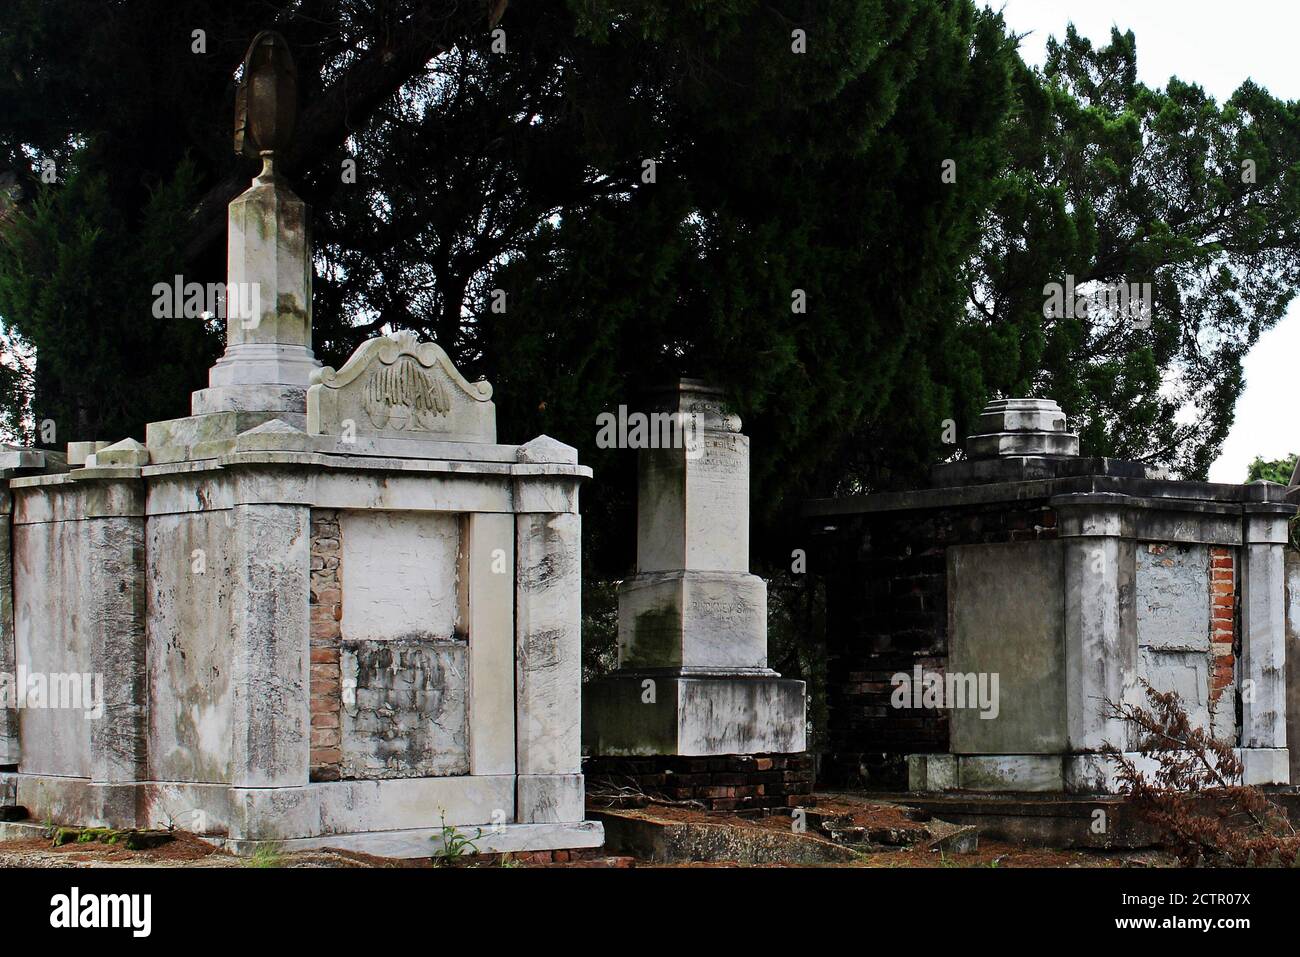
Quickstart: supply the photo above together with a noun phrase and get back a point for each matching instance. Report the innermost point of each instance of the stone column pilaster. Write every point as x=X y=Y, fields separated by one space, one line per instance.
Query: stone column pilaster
x=1100 y=626
x=1263 y=627
x=10 y=750
x=548 y=667
x=13 y=461
x=115 y=582
x=270 y=677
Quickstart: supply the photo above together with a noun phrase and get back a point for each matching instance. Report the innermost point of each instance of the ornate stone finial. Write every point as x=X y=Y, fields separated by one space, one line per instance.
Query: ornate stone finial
x=1020 y=427
x=266 y=102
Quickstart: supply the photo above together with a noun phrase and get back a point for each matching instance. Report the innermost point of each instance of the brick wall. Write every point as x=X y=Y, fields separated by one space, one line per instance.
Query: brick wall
x=326 y=612
x=887 y=611
x=591 y=856
x=733 y=782
x=1223 y=638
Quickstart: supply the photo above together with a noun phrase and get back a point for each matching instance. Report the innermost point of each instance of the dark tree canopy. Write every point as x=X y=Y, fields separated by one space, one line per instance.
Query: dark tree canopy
x=1111 y=182
x=1277 y=470
x=907 y=179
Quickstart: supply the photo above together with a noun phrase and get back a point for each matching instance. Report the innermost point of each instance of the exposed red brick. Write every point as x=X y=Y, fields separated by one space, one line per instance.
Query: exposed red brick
x=325 y=738
x=326 y=610
x=723 y=783
x=325 y=633
x=1222 y=612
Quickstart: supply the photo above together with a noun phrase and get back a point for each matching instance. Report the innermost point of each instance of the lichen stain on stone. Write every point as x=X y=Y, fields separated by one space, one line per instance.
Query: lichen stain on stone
x=655 y=637
x=290 y=307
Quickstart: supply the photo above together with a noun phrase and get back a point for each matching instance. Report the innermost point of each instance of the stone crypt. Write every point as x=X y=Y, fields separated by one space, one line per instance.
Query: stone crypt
x=327 y=608
x=1040 y=586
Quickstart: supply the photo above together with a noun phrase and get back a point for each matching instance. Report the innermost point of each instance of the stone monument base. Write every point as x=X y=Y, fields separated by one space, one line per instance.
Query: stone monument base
x=729 y=782
x=423 y=842
x=391 y=818
x=1067 y=773
x=693 y=715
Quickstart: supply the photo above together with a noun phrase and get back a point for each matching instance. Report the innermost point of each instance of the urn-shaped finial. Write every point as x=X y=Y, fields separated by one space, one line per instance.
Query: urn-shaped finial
x=266 y=103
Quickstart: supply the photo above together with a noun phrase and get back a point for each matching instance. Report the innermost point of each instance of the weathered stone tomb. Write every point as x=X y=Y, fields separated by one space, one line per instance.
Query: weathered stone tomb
x=979 y=629
x=327 y=609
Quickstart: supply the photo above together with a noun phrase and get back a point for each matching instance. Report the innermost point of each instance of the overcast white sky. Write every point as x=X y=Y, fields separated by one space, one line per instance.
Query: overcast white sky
x=1216 y=44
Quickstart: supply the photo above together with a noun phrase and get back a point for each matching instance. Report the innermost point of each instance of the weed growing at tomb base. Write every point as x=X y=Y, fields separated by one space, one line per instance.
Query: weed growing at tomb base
x=453 y=842
x=1195 y=799
x=266 y=855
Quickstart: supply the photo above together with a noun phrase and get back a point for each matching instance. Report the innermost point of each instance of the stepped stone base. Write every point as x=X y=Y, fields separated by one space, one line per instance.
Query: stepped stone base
x=257 y=397
x=647 y=713
x=209 y=435
x=532 y=843
x=730 y=782
x=1063 y=773
x=425 y=842
x=389 y=818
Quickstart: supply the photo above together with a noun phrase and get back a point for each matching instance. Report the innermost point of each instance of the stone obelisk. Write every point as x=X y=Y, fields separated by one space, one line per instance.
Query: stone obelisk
x=267 y=365
x=692 y=675
x=268 y=359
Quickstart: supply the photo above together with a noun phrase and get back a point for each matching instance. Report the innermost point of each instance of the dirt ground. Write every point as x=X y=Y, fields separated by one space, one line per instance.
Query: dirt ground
x=186 y=850
x=990 y=854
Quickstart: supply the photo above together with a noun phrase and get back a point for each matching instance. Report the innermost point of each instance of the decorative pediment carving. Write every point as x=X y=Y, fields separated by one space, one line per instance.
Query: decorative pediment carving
x=399 y=387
